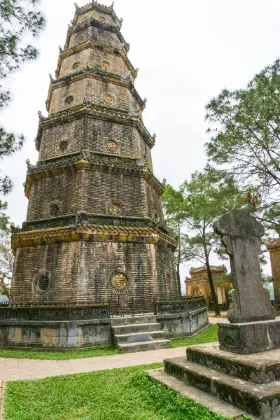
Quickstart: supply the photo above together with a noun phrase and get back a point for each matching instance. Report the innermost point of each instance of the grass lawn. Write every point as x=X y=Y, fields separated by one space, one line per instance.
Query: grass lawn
x=60 y=355
x=117 y=394
x=207 y=336
x=210 y=335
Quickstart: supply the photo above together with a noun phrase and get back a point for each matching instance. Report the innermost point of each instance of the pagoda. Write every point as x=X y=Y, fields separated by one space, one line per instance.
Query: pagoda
x=95 y=229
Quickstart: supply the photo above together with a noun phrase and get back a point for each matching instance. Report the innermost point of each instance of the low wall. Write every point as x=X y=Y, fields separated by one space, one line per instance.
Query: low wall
x=182 y=318
x=74 y=327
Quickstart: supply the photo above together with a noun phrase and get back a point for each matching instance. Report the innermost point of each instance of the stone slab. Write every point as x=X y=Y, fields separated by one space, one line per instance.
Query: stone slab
x=259 y=368
x=261 y=400
x=250 y=337
x=143 y=346
x=200 y=397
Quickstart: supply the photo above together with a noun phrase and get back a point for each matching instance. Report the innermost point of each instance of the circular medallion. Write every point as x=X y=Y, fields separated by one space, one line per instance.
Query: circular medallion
x=76 y=65
x=109 y=99
x=43 y=283
x=119 y=281
x=69 y=100
x=63 y=145
x=105 y=65
x=54 y=210
x=115 y=208
x=112 y=145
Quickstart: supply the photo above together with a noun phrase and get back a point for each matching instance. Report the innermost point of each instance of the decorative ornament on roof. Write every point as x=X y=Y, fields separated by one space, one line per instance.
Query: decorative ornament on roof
x=112 y=5
x=163 y=182
x=60 y=49
x=40 y=114
x=154 y=136
x=145 y=103
x=76 y=6
x=51 y=78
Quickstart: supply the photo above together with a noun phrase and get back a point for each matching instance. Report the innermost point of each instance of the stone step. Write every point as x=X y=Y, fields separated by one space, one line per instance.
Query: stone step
x=259 y=368
x=143 y=346
x=137 y=319
x=261 y=400
x=212 y=403
x=139 y=336
x=127 y=329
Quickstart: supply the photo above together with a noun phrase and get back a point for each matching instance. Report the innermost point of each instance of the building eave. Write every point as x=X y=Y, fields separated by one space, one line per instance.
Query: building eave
x=98 y=112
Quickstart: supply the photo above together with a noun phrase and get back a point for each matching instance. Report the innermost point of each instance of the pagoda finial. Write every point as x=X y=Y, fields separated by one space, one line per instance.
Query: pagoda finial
x=112 y=5
x=76 y=6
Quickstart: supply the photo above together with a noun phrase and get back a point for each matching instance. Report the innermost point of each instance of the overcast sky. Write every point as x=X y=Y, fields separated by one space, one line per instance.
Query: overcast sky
x=186 y=51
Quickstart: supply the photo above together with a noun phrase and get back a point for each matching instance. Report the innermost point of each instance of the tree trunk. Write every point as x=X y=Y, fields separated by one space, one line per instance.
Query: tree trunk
x=212 y=288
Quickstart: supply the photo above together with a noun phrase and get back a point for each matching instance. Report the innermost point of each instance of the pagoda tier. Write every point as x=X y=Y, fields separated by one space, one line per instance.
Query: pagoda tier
x=95 y=227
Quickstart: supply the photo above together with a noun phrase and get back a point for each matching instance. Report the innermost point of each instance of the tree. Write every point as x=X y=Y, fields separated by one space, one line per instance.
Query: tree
x=244 y=126
x=173 y=204
x=6 y=262
x=208 y=195
x=18 y=18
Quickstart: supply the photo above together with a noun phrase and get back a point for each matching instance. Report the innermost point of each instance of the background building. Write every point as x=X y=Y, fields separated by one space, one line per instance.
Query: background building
x=198 y=284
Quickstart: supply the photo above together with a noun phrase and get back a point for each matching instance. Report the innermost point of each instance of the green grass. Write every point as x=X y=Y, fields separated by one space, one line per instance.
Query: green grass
x=60 y=355
x=209 y=335
x=117 y=394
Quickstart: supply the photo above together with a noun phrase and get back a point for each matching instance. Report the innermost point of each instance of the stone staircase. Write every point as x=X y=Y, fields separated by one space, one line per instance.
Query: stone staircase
x=138 y=333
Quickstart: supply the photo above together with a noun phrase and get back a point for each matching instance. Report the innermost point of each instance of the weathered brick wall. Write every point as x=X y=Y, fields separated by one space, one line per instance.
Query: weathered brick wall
x=87 y=133
x=94 y=58
x=108 y=39
x=81 y=272
x=93 y=192
x=92 y=90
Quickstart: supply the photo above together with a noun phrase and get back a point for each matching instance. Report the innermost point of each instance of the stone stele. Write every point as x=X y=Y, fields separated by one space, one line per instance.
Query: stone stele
x=253 y=327
x=238 y=371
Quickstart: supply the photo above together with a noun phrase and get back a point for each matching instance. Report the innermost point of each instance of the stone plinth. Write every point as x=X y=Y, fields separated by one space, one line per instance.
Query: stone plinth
x=250 y=337
x=250 y=383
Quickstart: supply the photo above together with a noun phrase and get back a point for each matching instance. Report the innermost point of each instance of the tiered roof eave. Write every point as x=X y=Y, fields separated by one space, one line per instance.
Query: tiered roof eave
x=93 y=5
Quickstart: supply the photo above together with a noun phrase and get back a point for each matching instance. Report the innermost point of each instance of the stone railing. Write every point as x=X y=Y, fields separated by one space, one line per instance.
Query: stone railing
x=55 y=313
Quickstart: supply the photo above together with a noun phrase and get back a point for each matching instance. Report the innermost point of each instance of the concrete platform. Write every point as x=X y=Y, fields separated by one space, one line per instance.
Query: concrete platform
x=259 y=368
x=200 y=397
x=261 y=400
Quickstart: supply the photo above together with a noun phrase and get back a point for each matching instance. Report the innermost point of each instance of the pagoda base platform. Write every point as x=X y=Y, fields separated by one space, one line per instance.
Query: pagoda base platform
x=74 y=327
x=249 y=382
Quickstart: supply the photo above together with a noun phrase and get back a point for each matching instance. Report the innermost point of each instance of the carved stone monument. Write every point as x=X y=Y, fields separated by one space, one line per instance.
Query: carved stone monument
x=253 y=327
x=238 y=371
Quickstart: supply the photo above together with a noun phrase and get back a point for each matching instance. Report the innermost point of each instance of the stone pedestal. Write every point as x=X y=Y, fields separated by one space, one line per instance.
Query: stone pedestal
x=251 y=383
x=250 y=337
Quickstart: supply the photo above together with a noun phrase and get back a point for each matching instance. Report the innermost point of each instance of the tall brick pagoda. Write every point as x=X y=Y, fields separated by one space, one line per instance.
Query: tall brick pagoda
x=95 y=228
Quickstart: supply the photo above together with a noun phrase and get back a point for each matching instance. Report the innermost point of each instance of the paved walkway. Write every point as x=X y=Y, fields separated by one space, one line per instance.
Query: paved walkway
x=22 y=369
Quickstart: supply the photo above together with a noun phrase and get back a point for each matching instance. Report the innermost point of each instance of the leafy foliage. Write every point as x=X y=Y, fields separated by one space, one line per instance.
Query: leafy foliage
x=195 y=207
x=6 y=262
x=18 y=18
x=244 y=128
